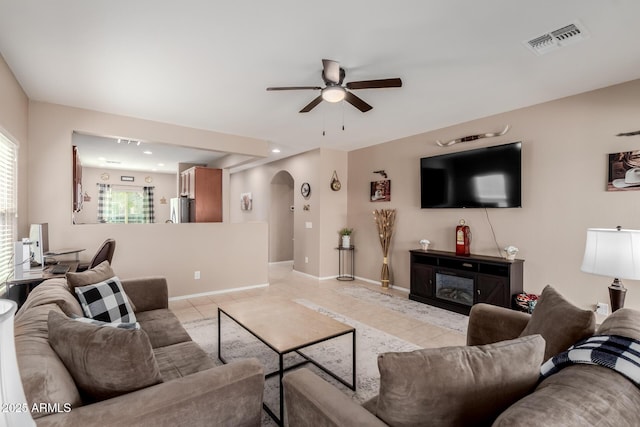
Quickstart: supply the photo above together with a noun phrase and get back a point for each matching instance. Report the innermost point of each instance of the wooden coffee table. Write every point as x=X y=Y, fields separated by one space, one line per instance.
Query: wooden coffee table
x=285 y=327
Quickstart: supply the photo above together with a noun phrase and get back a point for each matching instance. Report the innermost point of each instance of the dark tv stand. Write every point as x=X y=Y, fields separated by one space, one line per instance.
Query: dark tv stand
x=455 y=283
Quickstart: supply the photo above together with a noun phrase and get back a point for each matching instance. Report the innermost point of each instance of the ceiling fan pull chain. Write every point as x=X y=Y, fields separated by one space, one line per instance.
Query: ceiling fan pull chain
x=343 y=115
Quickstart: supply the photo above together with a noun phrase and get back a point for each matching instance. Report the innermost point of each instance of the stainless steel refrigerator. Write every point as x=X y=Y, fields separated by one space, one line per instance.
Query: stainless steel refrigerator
x=180 y=207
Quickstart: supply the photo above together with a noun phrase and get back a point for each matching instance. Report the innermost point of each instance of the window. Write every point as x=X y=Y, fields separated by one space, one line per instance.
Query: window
x=125 y=205
x=8 y=207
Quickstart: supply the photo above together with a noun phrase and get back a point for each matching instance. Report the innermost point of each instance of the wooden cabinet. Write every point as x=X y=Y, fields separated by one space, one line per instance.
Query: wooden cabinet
x=204 y=185
x=456 y=282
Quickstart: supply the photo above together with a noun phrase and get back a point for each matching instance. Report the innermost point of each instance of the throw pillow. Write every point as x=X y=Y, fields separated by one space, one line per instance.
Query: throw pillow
x=104 y=362
x=454 y=386
x=134 y=325
x=560 y=323
x=106 y=301
x=97 y=274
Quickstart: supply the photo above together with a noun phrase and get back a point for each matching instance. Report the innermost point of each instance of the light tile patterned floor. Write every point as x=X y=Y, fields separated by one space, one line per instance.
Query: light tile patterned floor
x=287 y=283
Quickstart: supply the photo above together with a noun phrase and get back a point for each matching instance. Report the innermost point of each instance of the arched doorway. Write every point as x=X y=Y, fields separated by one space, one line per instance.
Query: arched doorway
x=281 y=218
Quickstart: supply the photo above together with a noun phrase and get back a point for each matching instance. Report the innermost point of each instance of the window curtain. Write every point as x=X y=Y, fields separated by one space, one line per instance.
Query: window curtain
x=147 y=205
x=104 y=202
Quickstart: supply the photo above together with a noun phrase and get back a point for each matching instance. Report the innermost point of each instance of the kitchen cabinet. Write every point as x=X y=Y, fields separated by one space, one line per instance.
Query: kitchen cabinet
x=204 y=185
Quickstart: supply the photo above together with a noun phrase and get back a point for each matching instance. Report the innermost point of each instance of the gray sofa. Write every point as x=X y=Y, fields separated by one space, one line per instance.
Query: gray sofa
x=578 y=395
x=190 y=389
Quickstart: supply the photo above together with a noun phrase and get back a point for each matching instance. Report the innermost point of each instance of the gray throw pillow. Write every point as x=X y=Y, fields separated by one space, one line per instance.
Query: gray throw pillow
x=456 y=386
x=99 y=273
x=104 y=362
x=560 y=323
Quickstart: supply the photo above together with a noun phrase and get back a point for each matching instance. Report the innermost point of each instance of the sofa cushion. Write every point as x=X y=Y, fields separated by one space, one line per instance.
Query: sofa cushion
x=455 y=386
x=580 y=395
x=162 y=327
x=560 y=323
x=106 y=301
x=182 y=359
x=97 y=274
x=52 y=291
x=45 y=379
x=104 y=362
x=624 y=322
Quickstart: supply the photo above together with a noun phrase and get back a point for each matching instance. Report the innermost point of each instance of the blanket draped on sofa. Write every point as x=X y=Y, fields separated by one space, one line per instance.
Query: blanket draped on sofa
x=615 y=352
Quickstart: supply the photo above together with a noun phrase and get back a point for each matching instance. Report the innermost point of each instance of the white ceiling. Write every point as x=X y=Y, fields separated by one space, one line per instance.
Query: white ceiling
x=206 y=64
x=126 y=154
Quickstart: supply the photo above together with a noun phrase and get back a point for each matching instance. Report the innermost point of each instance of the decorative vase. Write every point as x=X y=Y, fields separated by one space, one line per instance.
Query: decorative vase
x=346 y=241
x=385 y=219
x=424 y=244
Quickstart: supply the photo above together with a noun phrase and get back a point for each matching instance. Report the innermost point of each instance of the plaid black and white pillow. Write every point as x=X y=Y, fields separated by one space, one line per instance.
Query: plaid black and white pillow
x=119 y=325
x=106 y=301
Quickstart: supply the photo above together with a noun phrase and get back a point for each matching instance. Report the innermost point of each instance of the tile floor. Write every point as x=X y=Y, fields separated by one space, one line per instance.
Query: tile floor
x=285 y=282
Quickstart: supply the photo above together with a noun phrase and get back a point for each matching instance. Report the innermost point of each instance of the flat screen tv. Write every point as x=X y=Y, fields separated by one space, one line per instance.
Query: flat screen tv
x=481 y=178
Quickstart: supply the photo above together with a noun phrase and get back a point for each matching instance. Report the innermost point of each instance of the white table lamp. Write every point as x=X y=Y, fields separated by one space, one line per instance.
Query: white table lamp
x=613 y=253
x=15 y=410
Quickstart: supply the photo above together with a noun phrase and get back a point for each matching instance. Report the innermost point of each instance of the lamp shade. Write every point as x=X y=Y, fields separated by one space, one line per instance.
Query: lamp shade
x=15 y=410
x=612 y=253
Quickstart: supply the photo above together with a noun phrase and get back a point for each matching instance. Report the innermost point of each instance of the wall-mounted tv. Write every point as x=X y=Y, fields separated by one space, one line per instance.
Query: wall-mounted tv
x=480 y=178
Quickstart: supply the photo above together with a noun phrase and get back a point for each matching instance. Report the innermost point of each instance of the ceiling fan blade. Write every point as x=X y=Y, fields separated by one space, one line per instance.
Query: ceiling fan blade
x=375 y=84
x=295 y=88
x=357 y=102
x=310 y=106
x=331 y=71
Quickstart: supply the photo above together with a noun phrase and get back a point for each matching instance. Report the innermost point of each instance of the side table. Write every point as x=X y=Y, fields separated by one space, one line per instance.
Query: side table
x=346 y=258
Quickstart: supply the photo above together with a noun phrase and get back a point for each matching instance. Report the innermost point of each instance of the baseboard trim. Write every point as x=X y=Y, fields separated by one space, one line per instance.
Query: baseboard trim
x=377 y=282
x=223 y=291
x=281 y=262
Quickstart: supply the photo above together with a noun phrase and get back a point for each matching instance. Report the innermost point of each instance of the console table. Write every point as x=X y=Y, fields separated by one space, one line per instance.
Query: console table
x=455 y=283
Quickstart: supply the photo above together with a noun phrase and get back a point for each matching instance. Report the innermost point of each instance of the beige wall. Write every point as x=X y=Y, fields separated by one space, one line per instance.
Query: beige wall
x=14 y=116
x=221 y=252
x=564 y=174
x=327 y=209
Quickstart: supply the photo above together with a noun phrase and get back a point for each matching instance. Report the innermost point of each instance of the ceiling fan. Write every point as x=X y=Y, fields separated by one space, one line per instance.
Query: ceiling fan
x=334 y=91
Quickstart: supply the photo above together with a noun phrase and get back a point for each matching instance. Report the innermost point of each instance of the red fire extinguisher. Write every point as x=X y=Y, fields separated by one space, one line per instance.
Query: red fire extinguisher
x=463 y=239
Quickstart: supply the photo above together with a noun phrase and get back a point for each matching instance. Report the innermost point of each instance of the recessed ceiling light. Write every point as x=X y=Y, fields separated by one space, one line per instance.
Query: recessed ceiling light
x=101 y=159
x=160 y=164
x=147 y=152
x=275 y=150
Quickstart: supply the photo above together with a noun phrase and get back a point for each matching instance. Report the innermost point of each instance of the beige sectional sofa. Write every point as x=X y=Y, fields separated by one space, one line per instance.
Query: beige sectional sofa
x=495 y=380
x=186 y=388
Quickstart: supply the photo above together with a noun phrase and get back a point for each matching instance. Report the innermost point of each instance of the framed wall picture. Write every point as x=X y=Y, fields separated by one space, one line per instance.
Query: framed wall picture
x=246 y=201
x=624 y=171
x=381 y=191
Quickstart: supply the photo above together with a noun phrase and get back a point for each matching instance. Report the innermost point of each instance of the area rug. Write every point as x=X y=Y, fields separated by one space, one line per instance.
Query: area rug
x=416 y=310
x=334 y=354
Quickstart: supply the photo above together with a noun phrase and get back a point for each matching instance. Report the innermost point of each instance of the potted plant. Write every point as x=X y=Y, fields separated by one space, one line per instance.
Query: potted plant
x=346 y=236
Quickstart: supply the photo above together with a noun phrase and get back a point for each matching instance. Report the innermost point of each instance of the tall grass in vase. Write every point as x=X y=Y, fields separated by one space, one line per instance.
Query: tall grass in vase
x=385 y=220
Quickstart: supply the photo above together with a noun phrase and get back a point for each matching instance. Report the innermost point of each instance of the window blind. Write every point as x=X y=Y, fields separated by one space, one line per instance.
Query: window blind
x=8 y=207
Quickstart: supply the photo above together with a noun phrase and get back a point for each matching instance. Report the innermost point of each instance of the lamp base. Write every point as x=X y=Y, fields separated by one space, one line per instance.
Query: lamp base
x=617 y=292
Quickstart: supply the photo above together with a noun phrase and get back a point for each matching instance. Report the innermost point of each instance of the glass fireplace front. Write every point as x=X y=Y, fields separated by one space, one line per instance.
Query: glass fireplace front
x=453 y=288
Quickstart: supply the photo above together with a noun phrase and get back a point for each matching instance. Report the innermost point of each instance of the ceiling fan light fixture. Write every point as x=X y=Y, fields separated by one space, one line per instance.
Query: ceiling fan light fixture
x=333 y=93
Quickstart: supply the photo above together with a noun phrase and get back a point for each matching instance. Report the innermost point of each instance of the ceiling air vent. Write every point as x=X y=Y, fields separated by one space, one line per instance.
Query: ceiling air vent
x=557 y=38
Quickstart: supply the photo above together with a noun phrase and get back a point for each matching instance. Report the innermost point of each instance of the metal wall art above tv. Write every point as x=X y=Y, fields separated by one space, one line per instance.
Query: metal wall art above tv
x=482 y=178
